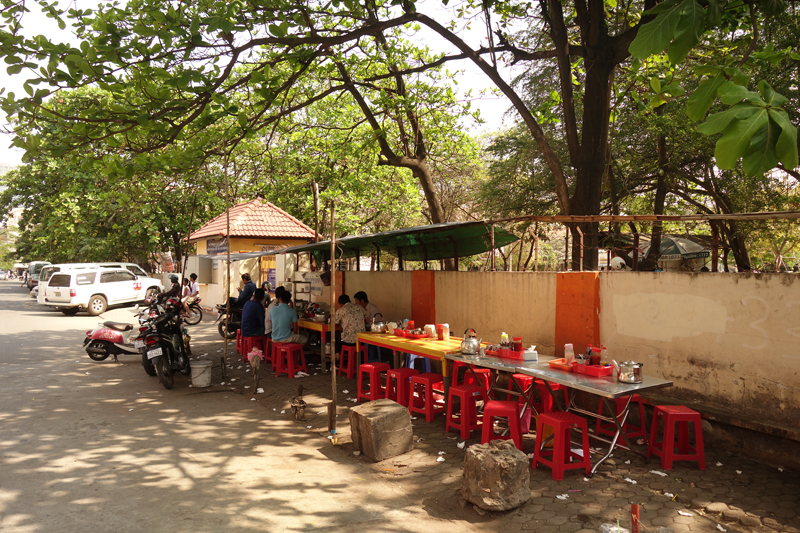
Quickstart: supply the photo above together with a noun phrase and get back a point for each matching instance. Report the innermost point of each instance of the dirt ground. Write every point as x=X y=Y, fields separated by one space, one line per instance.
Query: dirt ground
x=101 y=446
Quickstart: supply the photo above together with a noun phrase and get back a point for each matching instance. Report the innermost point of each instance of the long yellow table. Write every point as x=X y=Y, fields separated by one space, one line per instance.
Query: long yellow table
x=430 y=348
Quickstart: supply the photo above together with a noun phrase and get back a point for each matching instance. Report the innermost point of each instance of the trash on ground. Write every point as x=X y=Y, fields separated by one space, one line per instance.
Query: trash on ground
x=283 y=411
x=345 y=391
x=440 y=460
x=738 y=471
x=461 y=445
x=656 y=472
x=259 y=391
x=628 y=462
x=562 y=496
x=721 y=528
x=684 y=513
x=129 y=410
x=669 y=495
x=442 y=453
x=631 y=481
x=356 y=453
x=719 y=464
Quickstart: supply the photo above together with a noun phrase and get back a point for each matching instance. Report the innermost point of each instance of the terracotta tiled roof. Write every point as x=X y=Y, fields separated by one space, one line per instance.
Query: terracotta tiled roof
x=255 y=219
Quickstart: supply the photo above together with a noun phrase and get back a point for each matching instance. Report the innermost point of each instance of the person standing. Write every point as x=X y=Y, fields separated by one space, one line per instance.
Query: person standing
x=253 y=315
x=282 y=318
x=351 y=318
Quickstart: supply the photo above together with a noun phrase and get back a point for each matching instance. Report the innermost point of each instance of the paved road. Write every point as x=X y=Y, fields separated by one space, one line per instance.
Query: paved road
x=87 y=446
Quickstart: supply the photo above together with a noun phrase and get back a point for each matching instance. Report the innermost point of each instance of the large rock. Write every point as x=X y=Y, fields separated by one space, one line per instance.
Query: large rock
x=496 y=476
x=381 y=429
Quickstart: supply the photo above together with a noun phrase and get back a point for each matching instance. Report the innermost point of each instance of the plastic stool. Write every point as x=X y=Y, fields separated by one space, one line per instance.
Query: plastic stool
x=422 y=401
x=608 y=428
x=257 y=341
x=510 y=410
x=348 y=360
x=681 y=416
x=285 y=353
x=399 y=393
x=546 y=405
x=523 y=380
x=376 y=389
x=468 y=418
x=484 y=374
x=561 y=454
x=426 y=363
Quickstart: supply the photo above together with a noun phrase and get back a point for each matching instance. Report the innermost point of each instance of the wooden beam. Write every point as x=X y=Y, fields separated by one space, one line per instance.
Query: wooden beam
x=714 y=247
x=635 y=245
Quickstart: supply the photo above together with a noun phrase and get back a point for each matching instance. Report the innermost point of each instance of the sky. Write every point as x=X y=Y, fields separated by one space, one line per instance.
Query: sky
x=491 y=108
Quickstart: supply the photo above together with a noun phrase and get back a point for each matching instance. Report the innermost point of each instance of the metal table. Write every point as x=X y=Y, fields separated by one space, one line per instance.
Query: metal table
x=607 y=388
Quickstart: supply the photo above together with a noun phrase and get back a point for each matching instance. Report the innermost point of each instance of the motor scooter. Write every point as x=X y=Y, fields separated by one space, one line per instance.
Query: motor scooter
x=109 y=338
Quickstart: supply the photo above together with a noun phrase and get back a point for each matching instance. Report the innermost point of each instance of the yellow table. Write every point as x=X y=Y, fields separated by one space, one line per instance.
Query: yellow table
x=430 y=348
x=323 y=328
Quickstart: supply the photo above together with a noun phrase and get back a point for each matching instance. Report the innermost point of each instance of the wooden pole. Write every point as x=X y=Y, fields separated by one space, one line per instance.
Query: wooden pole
x=635 y=245
x=315 y=189
x=492 y=237
x=191 y=224
x=714 y=247
x=580 y=263
x=535 y=252
x=228 y=263
x=566 y=249
x=332 y=410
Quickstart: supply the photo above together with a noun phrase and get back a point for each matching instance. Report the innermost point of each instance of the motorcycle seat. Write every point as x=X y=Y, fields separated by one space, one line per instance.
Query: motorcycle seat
x=119 y=326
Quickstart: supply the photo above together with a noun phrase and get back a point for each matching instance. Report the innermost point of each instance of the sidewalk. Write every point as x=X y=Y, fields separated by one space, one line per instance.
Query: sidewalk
x=733 y=494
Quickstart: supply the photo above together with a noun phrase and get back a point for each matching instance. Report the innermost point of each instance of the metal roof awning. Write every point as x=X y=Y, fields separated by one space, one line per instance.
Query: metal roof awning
x=420 y=243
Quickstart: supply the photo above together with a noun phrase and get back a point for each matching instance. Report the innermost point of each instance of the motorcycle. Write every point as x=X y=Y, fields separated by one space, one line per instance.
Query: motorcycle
x=109 y=338
x=195 y=313
x=163 y=344
x=234 y=322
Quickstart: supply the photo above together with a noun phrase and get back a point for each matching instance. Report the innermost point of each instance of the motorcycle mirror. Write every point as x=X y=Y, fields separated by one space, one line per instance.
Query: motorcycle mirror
x=136 y=307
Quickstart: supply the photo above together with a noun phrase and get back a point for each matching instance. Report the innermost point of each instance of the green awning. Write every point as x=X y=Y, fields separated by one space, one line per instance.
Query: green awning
x=420 y=243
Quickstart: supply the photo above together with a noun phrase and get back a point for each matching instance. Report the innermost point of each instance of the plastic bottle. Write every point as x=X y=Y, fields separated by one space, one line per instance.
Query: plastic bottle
x=504 y=339
x=603 y=355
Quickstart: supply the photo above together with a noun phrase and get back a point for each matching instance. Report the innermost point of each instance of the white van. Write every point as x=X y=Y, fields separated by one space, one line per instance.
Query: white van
x=49 y=270
x=94 y=289
x=34 y=268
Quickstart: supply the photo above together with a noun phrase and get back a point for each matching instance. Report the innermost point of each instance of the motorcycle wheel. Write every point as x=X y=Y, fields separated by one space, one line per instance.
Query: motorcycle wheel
x=164 y=371
x=148 y=365
x=98 y=356
x=195 y=315
x=231 y=333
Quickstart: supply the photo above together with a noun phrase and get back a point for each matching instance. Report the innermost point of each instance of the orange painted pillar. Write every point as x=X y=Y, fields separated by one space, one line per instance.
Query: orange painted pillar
x=423 y=298
x=577 y=311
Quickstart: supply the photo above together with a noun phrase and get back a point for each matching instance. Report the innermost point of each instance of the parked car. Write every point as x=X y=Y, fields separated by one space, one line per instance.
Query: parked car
x=34 y=269
x=49 y=270
x=94 y=289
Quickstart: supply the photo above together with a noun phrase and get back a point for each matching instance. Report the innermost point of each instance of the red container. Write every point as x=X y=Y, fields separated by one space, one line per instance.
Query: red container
x=400 y=332
x=510 y=354
x=414 y=336
x=411 y=325
x=599 y=370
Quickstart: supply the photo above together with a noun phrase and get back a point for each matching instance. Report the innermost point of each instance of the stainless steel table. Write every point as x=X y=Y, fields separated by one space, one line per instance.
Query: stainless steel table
x=607 y=388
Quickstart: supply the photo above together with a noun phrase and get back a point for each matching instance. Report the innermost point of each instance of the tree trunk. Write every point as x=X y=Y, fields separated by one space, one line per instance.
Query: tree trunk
x=660 y=199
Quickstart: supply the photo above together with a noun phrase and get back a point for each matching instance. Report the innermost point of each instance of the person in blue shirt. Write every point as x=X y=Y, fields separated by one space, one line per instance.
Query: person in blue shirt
x=253 y=315
x=282 y=318
x=244 y=294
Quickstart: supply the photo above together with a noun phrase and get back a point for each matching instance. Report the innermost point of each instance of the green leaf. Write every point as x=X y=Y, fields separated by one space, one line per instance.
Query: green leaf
x=655 y=84
x=730 y=94
x=714 y=14
x=761 y=157
x=736 y=141
x=718 y=122
x=654 y=37
x=771 y=98
x=14 y=69
x=773 y=7
x=688 y=32
x=786 y=146
x=661 y=7
x=701 y=99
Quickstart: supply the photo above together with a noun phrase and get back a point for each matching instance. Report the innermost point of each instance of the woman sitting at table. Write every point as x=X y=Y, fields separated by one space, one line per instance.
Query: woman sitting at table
x=351 y=317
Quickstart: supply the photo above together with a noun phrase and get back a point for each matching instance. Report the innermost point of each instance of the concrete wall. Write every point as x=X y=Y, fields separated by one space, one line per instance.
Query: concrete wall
x=729 y=341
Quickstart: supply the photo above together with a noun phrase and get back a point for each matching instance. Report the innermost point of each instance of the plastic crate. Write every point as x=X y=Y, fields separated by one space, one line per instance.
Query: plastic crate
x=560 y=364
x=510 y=354
x=599 y=370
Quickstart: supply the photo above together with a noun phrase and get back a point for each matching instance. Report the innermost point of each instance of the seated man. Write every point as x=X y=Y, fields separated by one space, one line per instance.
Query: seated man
x=272 y=305
x=351 y=318
x=253 y=315
x=244 y=294
x=282 y=318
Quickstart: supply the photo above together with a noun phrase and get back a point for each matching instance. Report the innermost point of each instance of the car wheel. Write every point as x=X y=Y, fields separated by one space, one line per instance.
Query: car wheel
x=70 y=311
x=151 y=293
x=97 y=305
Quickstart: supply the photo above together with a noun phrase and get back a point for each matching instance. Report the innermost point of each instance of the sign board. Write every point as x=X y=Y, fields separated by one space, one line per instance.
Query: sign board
x=166 y=262
x=217 y=246
x=271 y=277
x=316 y=283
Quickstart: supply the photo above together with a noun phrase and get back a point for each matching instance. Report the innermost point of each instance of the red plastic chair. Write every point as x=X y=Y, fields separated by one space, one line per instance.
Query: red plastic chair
x=376 y=388
x=286 y=353
x=420 y=397
x=258 y=341
x=509 y=410
x=561 y=455
x=608 y=428
x=467 y=420
x=400 y=391
x=348 y=362
x=676 y=417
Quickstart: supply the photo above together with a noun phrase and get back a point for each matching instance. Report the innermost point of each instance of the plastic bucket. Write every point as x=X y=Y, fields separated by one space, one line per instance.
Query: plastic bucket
x=201 y=373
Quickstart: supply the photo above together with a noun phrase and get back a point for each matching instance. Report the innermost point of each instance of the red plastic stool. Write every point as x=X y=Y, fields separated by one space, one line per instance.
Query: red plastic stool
x=399 y=393
x=546 y=405
x=561 y=454
x=484 y=374
x=348 y=362
x=608 y=428
x=681 y=416
x=468 y=418
x=285 y=353
x=523 y=380
x=239 y=340
x=422 y=401
x=258 y=341
x=376 y=389
x=510 y=410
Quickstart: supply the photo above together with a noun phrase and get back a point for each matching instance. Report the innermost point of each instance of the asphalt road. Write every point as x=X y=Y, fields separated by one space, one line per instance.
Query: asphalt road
x=101 y=446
